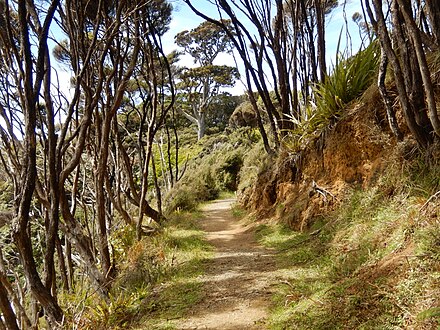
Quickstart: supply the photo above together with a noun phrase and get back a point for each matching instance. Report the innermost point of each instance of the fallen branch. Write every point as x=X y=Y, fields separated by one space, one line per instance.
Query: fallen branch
x=322 y=191
x=436 y=195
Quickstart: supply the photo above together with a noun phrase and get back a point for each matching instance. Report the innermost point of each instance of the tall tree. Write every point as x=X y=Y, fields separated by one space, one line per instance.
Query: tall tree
x=199 y=86
x=57 y=149
x=25 y=61
x=268 y=37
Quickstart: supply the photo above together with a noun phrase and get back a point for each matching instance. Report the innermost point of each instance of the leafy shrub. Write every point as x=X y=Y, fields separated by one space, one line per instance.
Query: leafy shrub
x=187 y=195
x=228 y=169
x=349 y=79
x=181 y=199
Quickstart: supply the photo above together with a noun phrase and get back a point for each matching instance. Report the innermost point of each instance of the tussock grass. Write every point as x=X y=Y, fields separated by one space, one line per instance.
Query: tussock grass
x=373 y=263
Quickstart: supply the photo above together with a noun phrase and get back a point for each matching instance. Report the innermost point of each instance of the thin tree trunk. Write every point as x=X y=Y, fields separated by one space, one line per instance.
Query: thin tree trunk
x=70 y=271
x=385 y=42
x=157 y=187
x=5 y=307
x=29 y=174
x=144 y=187
x=100 y=178
x=320 y=26
x=83 y=245
x=386 y=98
x=410 y=69
x=433 y=9
x=62 y=265
x=52 y=225
x=201 y=125
x=18 y=307
x=414 y=34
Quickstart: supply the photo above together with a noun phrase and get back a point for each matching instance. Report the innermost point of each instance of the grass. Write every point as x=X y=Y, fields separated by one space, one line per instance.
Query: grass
x=370 y=264
x=181 y=289
x=158 y=280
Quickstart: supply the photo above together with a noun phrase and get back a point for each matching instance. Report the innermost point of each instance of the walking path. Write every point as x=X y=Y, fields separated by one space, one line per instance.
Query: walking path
x=237 y=282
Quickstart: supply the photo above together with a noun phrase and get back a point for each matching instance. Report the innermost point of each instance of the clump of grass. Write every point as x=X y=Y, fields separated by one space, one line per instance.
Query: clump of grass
x=349 y=79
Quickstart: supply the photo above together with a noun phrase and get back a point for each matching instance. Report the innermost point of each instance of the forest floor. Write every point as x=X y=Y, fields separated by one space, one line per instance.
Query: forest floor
x=237 y=285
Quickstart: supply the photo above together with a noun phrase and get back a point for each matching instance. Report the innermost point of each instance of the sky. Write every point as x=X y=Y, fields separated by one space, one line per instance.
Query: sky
x=185 y=19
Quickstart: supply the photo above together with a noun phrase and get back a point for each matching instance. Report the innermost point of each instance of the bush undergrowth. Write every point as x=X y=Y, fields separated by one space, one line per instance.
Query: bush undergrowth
x=157 y=279
x=217 y=168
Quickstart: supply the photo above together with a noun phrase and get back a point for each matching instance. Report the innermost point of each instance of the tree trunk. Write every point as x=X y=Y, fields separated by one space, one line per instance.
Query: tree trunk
x=386 y=98
x=20 y=312
x=241 y=38
x=100 y=178
x=386 y=45
x=156 y=186
x=320 y=26
x=410 y=69
x=41 y=293
x=53 y=175
x=433 y=9
x=29 y=174
x=6 y=309
x=62 y=265
x=279 y=50
x=70 y=270
x=201 y=125
x=414 y=34
x=83 y=245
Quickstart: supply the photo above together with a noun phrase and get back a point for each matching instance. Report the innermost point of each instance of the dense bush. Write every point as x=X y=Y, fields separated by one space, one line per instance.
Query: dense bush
x=215 y=169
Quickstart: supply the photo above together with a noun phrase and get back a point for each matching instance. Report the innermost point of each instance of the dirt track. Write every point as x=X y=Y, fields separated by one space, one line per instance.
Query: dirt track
x=237 y=281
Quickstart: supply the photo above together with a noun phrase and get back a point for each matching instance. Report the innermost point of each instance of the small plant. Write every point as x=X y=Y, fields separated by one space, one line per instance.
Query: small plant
x=350 y=77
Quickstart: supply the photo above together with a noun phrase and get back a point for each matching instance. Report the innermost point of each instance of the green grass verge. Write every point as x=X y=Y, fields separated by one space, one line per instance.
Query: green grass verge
x=181 y=288
x=371 y=264
x=158 y=279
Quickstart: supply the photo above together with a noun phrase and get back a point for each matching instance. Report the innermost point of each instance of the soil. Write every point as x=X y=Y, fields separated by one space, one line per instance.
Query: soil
x=237 y=283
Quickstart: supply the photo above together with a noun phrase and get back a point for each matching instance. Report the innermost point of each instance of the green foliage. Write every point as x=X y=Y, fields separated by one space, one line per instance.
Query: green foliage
x=219 y=75
x=350 y=77
x=217 y=168
x=205 y=42
x=255 y=162
x=6 y=195
x=219 y=112
x=429 y=313
x=187 y=195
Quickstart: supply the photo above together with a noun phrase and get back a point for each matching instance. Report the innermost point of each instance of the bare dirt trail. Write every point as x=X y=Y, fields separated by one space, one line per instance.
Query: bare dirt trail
x=237 y=284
